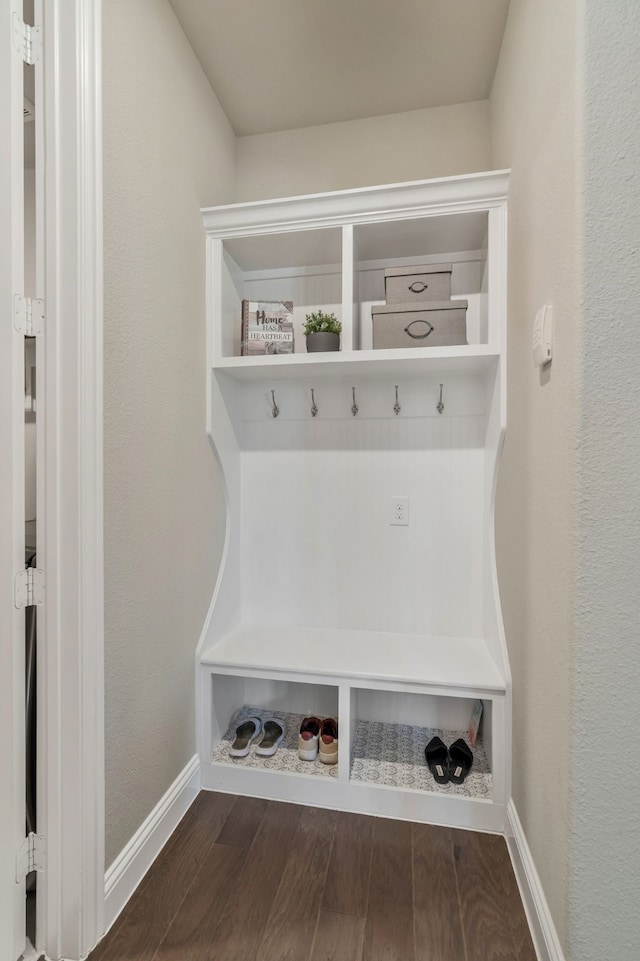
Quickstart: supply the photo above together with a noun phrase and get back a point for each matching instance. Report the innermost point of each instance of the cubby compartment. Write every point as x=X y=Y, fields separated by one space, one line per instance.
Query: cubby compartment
x=390 y=730
x=303 y=266
x=459 y=240
x=234 y=698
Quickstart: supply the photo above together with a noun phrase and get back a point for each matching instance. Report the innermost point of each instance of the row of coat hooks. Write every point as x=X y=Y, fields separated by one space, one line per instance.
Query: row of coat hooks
x=397 y=407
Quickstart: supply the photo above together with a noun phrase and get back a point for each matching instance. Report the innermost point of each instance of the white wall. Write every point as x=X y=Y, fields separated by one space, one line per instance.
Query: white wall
x=534 y=127
x=168 y=149
x=605 y=841
x=436 y=142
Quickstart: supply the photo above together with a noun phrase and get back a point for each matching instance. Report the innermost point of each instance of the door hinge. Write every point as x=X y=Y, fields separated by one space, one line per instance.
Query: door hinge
x=28 y=316
x=29 y=588
x=31 y=856
x=27 y=40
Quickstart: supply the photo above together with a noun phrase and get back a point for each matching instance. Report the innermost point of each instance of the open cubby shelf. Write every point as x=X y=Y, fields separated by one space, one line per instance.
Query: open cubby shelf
x=381 y=755
x=392 y=755
x=285 y=760
x=324 y=604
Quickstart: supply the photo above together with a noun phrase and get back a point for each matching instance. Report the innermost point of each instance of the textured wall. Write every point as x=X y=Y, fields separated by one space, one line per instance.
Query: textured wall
x=168 y=149
x=437 y=142
x=606 y=820
x=534 y=130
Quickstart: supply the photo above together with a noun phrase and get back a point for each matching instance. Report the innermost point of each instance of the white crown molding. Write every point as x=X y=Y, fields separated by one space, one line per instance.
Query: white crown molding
x=543 y=931
x=127 y=871
x=365 y=204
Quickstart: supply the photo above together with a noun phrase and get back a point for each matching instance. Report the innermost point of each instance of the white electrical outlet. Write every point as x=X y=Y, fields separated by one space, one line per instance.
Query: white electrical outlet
x=399 y=512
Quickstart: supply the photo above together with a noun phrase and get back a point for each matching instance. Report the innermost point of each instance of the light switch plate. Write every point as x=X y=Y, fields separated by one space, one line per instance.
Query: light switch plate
x=543 y=336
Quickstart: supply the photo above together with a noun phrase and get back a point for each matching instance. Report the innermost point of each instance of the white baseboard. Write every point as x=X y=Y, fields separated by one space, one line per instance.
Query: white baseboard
x=543 y=932
x=133 y=862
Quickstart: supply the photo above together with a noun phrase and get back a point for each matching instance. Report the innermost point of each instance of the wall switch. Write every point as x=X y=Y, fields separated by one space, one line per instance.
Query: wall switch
x=543 y=336
x=399 y=512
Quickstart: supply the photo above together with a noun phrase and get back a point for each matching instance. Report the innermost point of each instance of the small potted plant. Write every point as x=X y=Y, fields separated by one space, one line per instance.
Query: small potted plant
x=322 y=332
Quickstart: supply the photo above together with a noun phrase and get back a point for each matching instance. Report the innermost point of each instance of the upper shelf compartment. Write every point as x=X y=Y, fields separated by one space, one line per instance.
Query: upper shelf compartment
x=458 y=240
x=301 y=266
x=330 y=252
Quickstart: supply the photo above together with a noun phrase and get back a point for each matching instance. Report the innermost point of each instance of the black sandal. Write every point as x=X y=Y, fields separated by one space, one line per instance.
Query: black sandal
x=437 y=758
x=461 y=759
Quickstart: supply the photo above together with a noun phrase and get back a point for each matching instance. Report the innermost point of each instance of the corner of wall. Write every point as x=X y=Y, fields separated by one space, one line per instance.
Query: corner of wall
x=533 y=130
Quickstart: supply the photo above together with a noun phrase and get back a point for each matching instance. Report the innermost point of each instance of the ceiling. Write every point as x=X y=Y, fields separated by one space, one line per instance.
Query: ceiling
x=282 y=64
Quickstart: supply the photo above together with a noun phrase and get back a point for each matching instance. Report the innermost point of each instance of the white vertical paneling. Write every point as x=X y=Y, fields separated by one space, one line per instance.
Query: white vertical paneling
x=224 y=610
x=12 y=489
x=349 y=316
x=493 y=627
x=355 y=296
x=497 y=278
x=346 y=729
x=318 y=548
x=226 y=280
x=318 y=545
x=498 y=737
x=226 y=598
x=70 y=478
x=40 y=470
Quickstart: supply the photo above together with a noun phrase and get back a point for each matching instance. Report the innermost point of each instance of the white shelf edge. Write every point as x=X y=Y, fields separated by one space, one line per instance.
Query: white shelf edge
x=219 y=659
x=360 y=356
x=366 y=362
x=458 y=798
x=368 y=683
x=239 y=766
x=359 y=785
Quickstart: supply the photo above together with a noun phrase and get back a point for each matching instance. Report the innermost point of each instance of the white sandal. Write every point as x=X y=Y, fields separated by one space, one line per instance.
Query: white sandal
x=247 y=731
x=272 y=737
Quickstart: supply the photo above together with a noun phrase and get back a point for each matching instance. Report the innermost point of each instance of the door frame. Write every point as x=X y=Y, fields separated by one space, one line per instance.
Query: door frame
x=12 y=493
x=70 y=898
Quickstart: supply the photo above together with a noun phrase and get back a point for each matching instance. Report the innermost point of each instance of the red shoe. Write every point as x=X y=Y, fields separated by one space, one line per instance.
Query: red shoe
x=328 y=747
x=308 y=739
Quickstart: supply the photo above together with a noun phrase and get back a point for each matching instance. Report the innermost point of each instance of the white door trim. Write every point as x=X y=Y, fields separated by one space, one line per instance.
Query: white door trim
x=70 y=908
x=12 y=490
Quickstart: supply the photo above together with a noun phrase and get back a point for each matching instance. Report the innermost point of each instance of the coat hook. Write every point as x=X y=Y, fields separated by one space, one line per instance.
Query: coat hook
x=396 y=407
x=440 y=405
x=354 y=408
x=275 y=409
x=314 y=409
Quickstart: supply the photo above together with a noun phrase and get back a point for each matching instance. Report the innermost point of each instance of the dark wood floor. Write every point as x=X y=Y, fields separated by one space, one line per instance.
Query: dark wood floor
x=249 y=880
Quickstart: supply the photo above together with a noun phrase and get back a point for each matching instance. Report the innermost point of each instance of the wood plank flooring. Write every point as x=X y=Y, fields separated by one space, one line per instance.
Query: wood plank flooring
x=244 y=879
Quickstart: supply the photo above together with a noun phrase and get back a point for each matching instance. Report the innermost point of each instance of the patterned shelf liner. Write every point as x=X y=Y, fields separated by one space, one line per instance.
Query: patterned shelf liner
x=385 y=754
x=286 y=757
x=393 y=755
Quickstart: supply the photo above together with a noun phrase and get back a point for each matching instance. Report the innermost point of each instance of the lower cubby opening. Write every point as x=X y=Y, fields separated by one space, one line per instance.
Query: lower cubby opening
x=382 y=746
x=391 y=730
x=235 y=698
x=285 y=760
